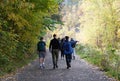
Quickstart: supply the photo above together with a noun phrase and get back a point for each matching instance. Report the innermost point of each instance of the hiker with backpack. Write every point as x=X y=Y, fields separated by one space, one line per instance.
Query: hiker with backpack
x=73 y=43
x=41 y=48
x=54 y=48
x=67 y=51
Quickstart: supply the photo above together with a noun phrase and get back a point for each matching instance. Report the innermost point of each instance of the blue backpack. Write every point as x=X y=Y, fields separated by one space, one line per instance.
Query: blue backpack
x=67 y=48
x=41 y=46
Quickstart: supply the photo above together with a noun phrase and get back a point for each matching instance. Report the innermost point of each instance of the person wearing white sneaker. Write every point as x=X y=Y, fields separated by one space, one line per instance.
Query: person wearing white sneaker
x=41 y=48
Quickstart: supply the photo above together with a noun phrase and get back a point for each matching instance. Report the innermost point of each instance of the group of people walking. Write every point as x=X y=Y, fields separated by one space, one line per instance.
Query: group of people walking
x=66 y=46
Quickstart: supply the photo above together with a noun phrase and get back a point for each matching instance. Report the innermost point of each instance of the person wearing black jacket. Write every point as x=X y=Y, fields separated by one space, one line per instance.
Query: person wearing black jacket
x=54 y=47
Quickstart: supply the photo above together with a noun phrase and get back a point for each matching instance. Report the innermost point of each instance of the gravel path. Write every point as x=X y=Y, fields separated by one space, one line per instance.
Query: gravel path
x=80 y=71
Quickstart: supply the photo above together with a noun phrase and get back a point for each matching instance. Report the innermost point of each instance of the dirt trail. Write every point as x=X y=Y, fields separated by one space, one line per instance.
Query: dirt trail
x=80 y=71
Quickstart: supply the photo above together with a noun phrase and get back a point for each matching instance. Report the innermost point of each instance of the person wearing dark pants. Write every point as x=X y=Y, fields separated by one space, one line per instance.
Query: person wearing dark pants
x=55 y=56
x=68 y=51
x=54 y=47
x=62 y=50
x=68 y=60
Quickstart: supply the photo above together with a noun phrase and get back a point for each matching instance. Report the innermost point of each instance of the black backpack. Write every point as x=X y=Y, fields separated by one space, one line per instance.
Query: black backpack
x=41 y=46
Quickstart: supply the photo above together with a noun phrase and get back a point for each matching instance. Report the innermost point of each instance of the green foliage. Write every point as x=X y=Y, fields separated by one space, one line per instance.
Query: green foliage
x=100 y=27
x=21 y=23
x=109 y=61
x=51 y=22
x=89 y=53
x=101 y=19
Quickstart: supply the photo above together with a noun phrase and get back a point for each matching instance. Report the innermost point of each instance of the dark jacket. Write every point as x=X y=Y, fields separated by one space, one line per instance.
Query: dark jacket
x=67 y=48
x=54 y=44
x=73 y=43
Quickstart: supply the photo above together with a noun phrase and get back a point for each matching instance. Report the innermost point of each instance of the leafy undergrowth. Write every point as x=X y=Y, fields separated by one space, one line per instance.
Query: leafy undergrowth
x=12 y=66
x=109 y=63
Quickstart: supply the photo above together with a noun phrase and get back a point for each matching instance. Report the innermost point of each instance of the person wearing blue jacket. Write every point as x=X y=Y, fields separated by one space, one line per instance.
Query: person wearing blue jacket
x=67 y=51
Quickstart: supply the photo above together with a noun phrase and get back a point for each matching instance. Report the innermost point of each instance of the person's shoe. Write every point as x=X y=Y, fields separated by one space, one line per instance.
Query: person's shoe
x=56 y=66
x=68 y=67
x=41 y=67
